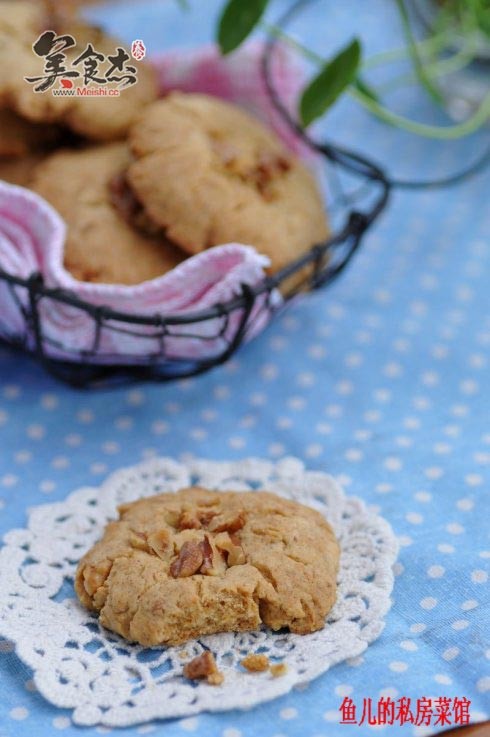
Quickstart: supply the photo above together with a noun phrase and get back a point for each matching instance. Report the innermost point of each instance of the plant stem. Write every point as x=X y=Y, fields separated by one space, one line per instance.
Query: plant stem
x=429 y=46
x=460 y=60
x=420 y=70
x=380 y=111
x=433 y=44
x=281 y=35
x=443 y=133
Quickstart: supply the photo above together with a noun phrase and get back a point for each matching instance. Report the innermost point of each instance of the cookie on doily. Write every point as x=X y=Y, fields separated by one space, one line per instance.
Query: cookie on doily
x=80 y=665
x=180 y=566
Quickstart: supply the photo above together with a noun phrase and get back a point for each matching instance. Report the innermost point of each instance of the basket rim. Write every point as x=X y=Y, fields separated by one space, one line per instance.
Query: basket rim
x=35 y=285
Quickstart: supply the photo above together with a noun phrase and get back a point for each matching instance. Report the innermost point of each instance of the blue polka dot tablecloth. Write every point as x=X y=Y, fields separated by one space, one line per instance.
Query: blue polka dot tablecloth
x=381 y=380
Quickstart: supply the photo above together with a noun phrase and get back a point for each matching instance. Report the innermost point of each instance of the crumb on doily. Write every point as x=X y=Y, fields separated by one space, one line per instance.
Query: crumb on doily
x=183 y=655
x=278 y=669
x=256 y=663
x=204 y=667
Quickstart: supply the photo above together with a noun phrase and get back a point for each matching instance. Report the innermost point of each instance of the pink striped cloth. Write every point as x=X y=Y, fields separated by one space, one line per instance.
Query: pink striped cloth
x=32 y=235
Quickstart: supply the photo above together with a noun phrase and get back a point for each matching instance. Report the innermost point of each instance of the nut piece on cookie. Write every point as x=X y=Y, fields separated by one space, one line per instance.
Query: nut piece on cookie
x=189 y=519
x=189 y=560
x=227 y=522
x=198 y=154
x=155 y=583
x=231 y=545
x=204 y=666
x=214 y=563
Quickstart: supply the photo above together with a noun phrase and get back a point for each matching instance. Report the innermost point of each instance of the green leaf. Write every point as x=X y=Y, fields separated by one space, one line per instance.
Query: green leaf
x=238 y=20
x=366 y=89
x=326 y=87
x=482 y=13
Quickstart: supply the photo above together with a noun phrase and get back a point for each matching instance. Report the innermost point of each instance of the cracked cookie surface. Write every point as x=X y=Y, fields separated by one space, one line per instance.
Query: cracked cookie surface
x=182 y=565
x=210 y=173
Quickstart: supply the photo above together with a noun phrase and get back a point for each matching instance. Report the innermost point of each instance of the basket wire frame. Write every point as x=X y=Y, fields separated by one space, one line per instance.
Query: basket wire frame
x=217 y=332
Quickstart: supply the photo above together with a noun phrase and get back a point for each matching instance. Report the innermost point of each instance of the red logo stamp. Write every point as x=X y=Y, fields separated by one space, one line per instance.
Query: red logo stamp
x=138 y=50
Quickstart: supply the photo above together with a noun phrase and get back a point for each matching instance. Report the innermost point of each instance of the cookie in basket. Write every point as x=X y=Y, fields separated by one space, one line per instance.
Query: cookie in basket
x=197 y=562
x=209 y=173
x=102 y=118
x=100 y=245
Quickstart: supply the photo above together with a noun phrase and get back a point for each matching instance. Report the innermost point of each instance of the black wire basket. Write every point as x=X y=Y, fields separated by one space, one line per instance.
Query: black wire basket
x=178 y=346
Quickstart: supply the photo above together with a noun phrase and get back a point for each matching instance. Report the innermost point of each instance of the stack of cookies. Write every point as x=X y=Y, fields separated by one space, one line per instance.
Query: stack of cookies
x=142 y=183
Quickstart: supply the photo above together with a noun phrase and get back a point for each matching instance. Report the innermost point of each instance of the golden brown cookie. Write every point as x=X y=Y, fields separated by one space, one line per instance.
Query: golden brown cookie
x=179 y=566
x=99 y=118
x=209 y=173
x=101 y=246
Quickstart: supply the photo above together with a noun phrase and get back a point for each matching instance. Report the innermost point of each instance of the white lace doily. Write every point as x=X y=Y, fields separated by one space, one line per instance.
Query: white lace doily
x=78 y=665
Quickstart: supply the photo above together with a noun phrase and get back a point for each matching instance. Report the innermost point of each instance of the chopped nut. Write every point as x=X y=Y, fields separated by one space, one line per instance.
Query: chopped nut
x=205 y=516
x=269 y=166
x=223 y=541
x=227 y=522
x=122 y=198
x=192 y=518
x=230 y=544
x=207 y=554
x=159 y=542
x=236 y=556
x=189 y=520
x=278 y=669
x=94 y=576
x=213 y=563
x=204 y=666
x=138 y=541
x=256 y=663
x=189 y=560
